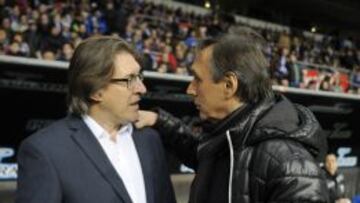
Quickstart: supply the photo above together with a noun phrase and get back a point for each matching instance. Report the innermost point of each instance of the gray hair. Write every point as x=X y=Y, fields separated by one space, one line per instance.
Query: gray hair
x=241 y=52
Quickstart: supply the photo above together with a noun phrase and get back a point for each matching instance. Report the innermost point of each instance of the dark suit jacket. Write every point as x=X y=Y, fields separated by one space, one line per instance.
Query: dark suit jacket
x=64 y=163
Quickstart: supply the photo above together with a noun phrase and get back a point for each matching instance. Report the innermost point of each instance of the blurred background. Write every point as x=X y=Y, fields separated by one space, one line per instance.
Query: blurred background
x=313 y=48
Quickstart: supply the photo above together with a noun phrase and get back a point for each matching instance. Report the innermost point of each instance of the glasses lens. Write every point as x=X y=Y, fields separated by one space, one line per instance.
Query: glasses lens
x=133 y=79
x=141 y=77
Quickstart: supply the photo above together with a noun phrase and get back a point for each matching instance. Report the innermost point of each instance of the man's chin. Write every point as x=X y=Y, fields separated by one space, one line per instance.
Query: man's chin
x=204 y=117
x=134 y=118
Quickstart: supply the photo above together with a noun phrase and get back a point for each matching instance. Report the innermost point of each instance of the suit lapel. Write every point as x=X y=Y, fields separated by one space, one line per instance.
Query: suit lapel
x=146 y=163
x=92 y=148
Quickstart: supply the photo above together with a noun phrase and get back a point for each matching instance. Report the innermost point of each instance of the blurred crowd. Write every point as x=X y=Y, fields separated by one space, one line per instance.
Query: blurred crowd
x=50 y=30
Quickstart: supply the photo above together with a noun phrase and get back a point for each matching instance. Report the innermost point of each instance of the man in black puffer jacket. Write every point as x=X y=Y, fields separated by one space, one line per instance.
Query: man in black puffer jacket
x=255 y=146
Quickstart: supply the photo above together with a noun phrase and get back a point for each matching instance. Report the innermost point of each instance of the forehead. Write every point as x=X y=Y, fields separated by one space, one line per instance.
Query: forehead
x=202 y=61
x=330 y=158
x=125 y=64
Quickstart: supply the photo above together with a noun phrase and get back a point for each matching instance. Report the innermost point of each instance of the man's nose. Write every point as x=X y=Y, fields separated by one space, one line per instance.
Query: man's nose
x=190 y=90
x=140 y=87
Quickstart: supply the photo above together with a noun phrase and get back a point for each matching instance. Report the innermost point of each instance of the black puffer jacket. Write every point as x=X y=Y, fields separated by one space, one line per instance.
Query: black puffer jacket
x=259 y=153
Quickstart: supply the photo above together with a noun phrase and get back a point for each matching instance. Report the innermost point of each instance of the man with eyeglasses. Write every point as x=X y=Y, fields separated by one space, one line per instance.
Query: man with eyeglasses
x=94 y=155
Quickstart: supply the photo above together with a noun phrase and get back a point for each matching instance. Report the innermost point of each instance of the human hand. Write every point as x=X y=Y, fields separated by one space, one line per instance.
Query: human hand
x=146 y=118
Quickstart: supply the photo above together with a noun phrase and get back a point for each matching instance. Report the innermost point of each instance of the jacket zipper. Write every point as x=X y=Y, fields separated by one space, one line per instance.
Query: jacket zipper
x=231 y=148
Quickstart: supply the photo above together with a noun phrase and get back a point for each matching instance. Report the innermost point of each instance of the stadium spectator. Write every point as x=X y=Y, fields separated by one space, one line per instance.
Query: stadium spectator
x=282 y=67
x=67 y=52
x=355 y=79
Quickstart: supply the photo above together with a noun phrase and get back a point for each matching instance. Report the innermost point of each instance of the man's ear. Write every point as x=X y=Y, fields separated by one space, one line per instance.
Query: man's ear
x=231 y=84
x=97 y=96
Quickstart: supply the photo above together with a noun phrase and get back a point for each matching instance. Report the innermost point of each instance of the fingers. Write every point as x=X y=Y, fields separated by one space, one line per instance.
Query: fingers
x=146 y=118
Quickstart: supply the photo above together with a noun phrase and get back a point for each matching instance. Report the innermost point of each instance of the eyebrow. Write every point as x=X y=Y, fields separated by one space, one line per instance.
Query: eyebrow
x=195 y=74
x=137 y=73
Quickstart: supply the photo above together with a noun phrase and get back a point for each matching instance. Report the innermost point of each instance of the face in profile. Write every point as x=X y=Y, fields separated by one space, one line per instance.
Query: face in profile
x=208 y=95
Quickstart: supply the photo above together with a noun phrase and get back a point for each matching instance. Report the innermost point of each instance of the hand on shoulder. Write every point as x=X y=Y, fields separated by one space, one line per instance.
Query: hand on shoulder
x=146 y=118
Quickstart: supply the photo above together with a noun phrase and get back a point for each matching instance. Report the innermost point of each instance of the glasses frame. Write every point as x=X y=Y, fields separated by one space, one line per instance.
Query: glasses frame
x=130 y=81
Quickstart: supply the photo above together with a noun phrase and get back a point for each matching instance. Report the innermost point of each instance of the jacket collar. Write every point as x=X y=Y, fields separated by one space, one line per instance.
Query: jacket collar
x=212 y=129
x=83 y=137
x=145 y=162
x=239 y=123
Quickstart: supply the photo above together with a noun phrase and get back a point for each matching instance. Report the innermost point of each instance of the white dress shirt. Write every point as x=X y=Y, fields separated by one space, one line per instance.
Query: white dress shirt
x=123 y=156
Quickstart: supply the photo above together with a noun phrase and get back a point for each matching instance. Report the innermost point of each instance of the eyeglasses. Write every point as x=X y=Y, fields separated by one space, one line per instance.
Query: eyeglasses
x=131 y=81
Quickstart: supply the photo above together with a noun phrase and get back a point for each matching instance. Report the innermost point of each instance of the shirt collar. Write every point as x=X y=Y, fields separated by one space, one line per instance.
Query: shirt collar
x=100 y=132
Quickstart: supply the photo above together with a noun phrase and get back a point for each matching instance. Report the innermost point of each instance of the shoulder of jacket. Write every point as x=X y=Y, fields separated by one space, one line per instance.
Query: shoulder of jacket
x=282 y=157
x=281 y=150
x=54 y=131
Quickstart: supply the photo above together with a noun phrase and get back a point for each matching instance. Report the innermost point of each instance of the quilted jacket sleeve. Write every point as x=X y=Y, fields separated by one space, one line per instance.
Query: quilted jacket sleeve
x=177 y=137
